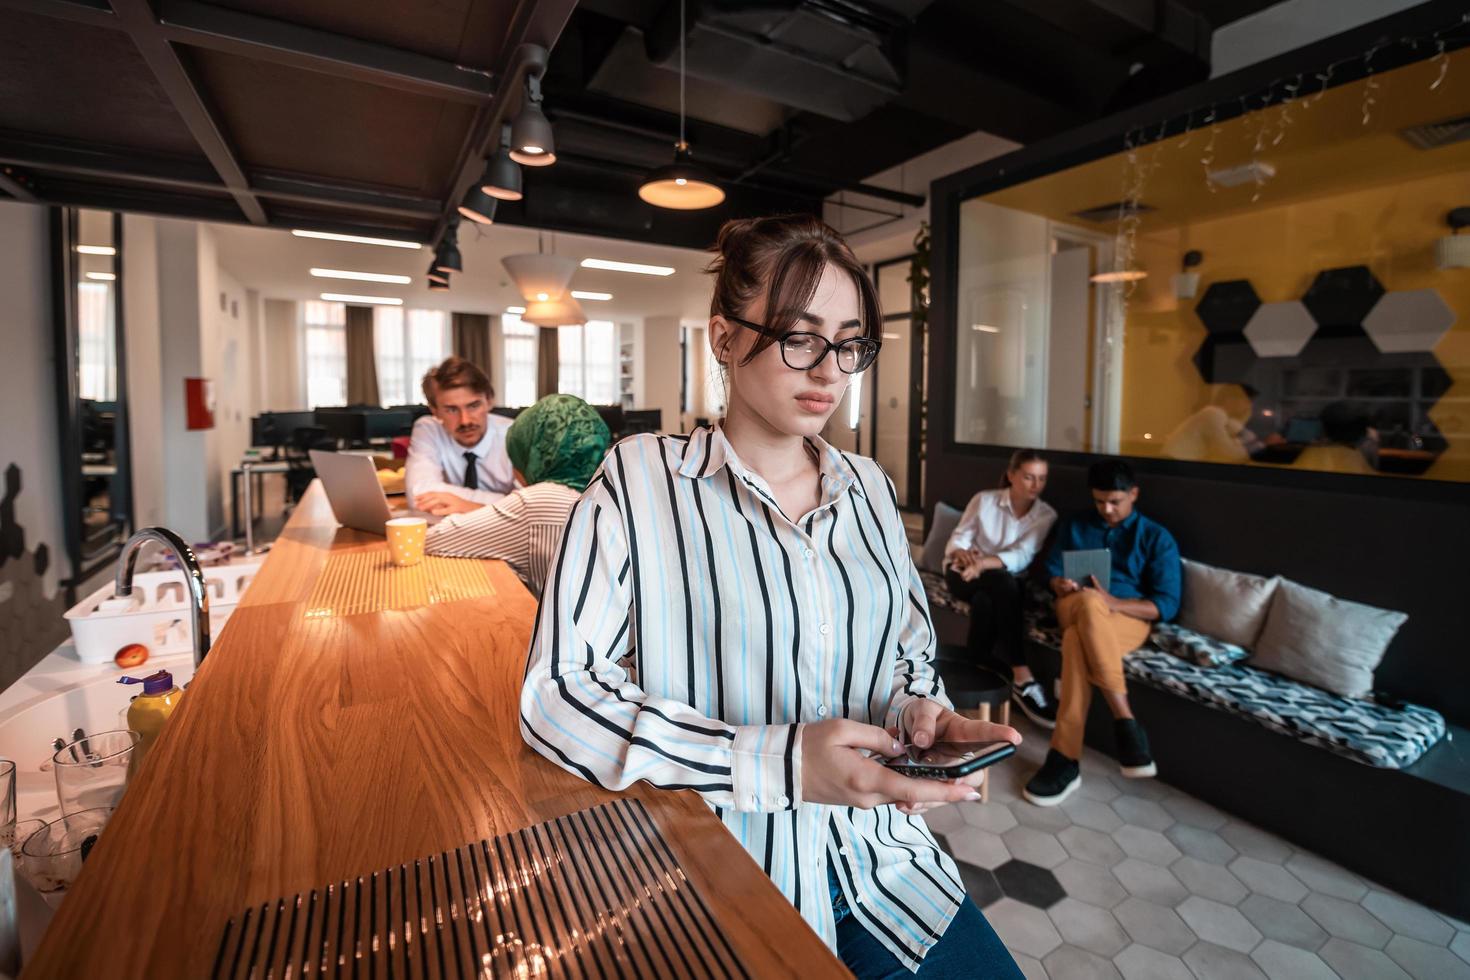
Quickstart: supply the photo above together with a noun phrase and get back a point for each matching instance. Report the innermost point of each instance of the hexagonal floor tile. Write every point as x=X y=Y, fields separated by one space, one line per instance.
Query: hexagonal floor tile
x=1209 y=880
x=1038 y=847
x=943 y=819
x=1211 y=962
x=1218 y=923
x=1408 y=320
x=1346 y=920
x=1150 y=882
x=1091 y=883
x=1093 y=814
x=1203 y=844
x=1088 y=926
x=1280 y=329
x=1031 y=967
x=979 y=847
x=1461 y=946
x=1023 y=927
x=1283 y=922
x=1226 y=307
x=1280 y=960
x=1030 y=884
x=1421 y=959
x=1146 y=845
x=1322 y=875
x=1154 y=926
x=1193 y=812
x=1354 y=962
x=1268 y=879
x=1142 y=963
x=1255 y=842
x=1072 y=962
x=994 y=817
x=1091 y=845
x=1143 y=813
x=1048 y=818
x=1343 y=296
x=1408 y=918
x=980 y=884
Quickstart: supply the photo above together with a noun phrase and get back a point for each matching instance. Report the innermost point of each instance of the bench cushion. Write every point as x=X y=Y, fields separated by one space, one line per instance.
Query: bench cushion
x=1198 y=648
x=1364 y=731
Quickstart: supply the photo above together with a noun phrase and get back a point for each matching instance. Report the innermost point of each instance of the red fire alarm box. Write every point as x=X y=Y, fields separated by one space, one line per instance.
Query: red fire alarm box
x=199 y=403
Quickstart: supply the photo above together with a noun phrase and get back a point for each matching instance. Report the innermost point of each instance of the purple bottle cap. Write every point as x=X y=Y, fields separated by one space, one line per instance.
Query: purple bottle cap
x=160 y=682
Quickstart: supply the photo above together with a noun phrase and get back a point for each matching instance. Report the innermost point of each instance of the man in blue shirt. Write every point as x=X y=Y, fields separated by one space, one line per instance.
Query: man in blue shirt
x=1100 y=627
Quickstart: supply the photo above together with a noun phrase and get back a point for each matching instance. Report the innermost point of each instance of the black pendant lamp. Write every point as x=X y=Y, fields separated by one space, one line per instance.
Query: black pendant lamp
x=436 y=276
x=437 y=284
x=681 y=185
x=447 y=257
x=502 y=177
x=531 y=139
x=478 y=206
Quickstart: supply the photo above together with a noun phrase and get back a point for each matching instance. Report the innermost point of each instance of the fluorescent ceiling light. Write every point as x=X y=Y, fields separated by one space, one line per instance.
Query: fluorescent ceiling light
x=611 y=266
x=362 y=300
x=103 y=276
x=96 y=250
x=985 y=328
x=584 y=294
x=361 y=276
x=1122 y=275
x=359 y=239
x=517 y=310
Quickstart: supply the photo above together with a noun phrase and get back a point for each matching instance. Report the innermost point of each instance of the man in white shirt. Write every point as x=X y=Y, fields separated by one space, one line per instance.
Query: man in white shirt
x=456 y=456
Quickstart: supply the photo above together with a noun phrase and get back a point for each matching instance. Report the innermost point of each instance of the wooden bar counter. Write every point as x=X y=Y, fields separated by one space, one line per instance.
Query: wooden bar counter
x=339 y=727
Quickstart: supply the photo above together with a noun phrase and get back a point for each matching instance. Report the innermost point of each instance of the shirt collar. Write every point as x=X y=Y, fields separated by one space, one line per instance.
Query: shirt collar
x=1128 y=521
x=708 y=451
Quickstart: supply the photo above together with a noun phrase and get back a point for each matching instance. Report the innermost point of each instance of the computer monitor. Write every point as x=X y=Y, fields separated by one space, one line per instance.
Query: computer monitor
x=385 y=423
x=613 y=416
x=1304 y=431
x=346 y=425
x=275 y=428
x=642 y=420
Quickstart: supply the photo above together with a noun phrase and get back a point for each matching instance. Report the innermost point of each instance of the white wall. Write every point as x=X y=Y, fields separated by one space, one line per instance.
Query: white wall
x=30 y=605
x=231 y=366
x=1290 y=25
x=141 y=321
x=280 y=368
x=659 y=365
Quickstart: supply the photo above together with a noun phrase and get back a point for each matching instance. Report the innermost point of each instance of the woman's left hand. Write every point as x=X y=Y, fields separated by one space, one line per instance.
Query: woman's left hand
x=928 y=722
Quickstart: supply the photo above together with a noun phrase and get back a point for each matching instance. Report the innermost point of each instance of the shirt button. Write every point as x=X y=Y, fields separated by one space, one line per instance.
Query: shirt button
x=808 y=553
x=783 y=802
x=821 y=711
x=843 y=851
x=824 y=629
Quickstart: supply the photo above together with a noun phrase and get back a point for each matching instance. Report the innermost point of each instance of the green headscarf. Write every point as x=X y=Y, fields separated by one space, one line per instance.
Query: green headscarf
x=560 y=439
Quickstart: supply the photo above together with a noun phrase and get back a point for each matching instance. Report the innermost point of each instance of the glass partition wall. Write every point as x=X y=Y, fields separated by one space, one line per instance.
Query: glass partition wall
x=1284 y=288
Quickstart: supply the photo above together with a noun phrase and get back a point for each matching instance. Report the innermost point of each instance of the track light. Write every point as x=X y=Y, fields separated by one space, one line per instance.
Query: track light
x=478 y=206
x=446 y=256
x=434 y=275
x=502 y=177
x=436 y=284
x=531 y=140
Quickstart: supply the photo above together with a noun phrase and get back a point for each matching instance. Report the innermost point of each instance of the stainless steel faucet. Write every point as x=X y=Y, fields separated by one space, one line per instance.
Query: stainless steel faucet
x=193 y=577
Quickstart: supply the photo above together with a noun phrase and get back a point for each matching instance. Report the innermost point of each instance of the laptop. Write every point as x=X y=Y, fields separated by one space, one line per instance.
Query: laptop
x=353 y=490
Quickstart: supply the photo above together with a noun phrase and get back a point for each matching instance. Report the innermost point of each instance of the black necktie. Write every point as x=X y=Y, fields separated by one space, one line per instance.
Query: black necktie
x=471 y=475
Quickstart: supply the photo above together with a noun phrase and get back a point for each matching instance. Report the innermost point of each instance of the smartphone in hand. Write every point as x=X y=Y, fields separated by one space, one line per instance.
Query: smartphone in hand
x=949 y=760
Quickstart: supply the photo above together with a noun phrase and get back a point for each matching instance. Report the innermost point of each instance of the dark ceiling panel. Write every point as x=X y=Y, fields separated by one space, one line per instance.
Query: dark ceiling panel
x=467 y=32
x=305 y=122
x=65 y=79
x=1222 y=12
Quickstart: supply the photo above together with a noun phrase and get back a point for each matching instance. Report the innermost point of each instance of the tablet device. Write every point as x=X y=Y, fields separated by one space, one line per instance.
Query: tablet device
x=1079 y=565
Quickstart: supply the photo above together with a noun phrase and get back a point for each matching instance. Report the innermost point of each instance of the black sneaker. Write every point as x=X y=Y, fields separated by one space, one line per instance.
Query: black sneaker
x=1034 y=703
x=1134 y=757
x=1057 y=779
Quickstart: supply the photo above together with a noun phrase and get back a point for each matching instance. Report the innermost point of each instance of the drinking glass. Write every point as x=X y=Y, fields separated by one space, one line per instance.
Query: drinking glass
x=93 y=771
x=51 y=858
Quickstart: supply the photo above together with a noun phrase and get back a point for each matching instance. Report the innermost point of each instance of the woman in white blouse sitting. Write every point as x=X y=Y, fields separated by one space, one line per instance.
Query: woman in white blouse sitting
x=761 y=583
x=992 y=546
x=555 y=446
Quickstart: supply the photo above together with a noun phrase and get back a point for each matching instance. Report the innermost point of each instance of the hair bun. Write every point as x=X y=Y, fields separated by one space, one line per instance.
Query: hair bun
x=734 y=236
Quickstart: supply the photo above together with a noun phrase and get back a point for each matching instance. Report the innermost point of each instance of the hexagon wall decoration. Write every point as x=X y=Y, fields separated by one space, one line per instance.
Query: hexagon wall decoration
x=1408 y=320
x=1280 y=329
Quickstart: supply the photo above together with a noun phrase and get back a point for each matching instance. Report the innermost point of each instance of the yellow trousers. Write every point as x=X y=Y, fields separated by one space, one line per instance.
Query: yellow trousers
x=1094 y=642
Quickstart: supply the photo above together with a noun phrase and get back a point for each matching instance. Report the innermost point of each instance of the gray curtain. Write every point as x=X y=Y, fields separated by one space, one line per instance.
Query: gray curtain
x=362 y=368
x=472 y=338
x=548 y=362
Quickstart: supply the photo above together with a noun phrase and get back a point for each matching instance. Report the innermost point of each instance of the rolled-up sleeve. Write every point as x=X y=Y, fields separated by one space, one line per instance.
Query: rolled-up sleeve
x=580 y=710
x=1022 y=552
x=1165 y=575
x=962 y=538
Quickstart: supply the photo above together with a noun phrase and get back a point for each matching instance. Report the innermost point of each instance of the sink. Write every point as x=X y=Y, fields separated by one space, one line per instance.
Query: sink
x=56 y=697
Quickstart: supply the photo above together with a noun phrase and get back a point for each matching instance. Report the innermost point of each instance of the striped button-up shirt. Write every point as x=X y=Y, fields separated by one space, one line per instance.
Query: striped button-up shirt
x=689 y=629
x=522 y=528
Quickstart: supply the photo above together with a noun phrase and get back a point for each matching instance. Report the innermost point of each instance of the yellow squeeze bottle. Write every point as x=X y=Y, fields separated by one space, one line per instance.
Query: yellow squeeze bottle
x=150 y=710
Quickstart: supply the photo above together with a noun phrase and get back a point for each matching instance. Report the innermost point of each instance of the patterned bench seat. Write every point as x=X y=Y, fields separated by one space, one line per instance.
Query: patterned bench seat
x=1208 y=672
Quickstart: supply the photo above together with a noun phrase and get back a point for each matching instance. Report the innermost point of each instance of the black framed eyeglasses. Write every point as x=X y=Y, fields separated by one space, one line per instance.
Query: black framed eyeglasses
x=803 y=351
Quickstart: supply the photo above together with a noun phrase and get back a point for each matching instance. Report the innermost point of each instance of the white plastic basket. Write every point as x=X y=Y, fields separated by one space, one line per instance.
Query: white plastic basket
x=157 y=613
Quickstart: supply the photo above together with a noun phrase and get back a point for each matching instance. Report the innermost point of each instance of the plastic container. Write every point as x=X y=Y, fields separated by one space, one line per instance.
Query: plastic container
x=150 y=711
x=156 y=614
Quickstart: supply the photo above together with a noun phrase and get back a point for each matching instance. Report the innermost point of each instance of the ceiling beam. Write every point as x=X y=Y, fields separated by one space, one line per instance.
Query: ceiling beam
x=12 y=184
x=533 y=32
x=93 y=12
x=219 y=29
x=136 y=17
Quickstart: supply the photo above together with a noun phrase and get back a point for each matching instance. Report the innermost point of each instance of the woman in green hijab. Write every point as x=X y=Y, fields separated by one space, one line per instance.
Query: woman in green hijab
x=556 y=446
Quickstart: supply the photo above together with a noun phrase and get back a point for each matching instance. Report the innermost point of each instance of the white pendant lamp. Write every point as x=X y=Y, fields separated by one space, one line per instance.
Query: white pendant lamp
x=540 y=277
x=562 y=312
x=681 y=185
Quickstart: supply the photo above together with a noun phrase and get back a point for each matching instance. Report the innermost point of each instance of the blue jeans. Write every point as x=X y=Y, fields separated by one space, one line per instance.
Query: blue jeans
x=969 y=948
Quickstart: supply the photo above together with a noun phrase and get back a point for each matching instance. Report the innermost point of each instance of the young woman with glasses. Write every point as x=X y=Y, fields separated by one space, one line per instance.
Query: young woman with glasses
x=736 y=612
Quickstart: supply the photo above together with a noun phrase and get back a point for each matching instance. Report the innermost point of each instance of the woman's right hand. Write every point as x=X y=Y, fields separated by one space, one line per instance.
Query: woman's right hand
x=1064 y=586
x=834 y=769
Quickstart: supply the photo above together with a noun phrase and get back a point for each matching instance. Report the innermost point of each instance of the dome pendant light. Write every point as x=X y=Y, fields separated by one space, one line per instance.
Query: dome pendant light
x=681 y=185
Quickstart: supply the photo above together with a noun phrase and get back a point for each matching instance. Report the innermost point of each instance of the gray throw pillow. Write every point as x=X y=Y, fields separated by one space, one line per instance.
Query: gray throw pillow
x=1324 y=641
x=943 y=525
x=1230 y=606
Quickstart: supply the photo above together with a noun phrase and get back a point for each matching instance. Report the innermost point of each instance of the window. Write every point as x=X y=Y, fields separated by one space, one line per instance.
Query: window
x=406 y=344
x=589 y=362
x=326 y=353
x=521 y=340
x=96 y=346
